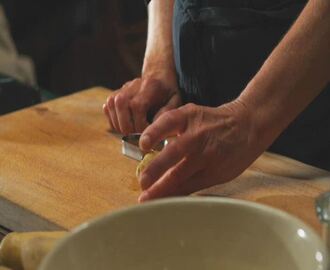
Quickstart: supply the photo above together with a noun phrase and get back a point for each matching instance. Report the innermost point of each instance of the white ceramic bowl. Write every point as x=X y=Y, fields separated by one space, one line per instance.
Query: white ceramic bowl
x=191 y=234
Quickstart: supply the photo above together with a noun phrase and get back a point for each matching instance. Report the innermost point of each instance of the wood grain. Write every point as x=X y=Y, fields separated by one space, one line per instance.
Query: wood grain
x=58 y=161
x=60 y=166
x=279 y=182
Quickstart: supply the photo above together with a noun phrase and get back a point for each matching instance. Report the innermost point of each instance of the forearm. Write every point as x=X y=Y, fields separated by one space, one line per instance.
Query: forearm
x=159 y=50
x=293 y=75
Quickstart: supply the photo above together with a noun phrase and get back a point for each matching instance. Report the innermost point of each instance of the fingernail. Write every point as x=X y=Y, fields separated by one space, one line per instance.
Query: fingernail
x=143 y=197
x=143 y=180
x=145 y=142
x=103 y=106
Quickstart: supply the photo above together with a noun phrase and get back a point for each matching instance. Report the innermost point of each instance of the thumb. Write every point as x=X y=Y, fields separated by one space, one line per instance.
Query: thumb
x=173 y=103
x=169 y=124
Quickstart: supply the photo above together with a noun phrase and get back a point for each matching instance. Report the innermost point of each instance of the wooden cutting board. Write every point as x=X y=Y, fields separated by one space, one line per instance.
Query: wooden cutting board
x=60 y=166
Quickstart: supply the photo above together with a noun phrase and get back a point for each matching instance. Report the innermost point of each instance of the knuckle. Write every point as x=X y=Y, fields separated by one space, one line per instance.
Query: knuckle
x=119 y=100
x=190 y=107
x=126 y=84
x=136 y=80
x=134 y=84
x=129 y=83
x=169 y=116
x=110 y=101
x=174 y=117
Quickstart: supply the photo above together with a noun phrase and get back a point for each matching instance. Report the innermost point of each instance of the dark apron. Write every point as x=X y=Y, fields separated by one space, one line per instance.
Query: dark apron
x=219 y=45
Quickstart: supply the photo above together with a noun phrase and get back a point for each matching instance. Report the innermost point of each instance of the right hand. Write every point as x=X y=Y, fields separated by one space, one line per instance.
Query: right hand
x=128 y=108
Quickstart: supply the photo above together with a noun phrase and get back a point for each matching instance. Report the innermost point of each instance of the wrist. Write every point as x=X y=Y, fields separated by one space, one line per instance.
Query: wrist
x=265 y=116
x=157 y=61
x=238 y=118
x=246 y=116
x=159 y=68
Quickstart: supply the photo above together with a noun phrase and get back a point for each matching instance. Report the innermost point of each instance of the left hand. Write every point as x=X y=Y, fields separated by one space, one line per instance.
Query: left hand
x=213 y=145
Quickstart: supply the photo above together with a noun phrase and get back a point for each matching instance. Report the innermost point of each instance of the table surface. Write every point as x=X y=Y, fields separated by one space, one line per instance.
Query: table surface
x=60 y=166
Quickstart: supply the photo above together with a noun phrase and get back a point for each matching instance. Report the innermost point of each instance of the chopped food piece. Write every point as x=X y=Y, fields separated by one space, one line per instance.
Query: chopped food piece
x=145 y=162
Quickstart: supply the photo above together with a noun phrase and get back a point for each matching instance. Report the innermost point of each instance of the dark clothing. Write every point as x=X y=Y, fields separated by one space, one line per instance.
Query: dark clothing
x=15 y=95
x=219 y=45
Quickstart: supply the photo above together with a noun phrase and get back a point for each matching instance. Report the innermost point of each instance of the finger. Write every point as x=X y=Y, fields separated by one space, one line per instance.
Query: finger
x=126 y=84
x=139 y=114
x=181 y=180
x=122 y=105
x=173 y=103
x=107 y=114
x=112 y=112
x=105 y=111
x=168 y=124
x=150 y=96
x=123 y=112
x=169 y=157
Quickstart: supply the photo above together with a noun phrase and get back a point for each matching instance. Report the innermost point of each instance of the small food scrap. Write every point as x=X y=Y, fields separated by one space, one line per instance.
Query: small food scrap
x=145 y=162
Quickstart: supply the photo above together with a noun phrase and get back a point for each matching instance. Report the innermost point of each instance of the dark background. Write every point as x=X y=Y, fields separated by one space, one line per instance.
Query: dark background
x=77 y=44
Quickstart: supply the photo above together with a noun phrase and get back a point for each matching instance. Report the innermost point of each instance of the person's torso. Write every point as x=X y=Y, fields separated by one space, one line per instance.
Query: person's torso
x=221 y=44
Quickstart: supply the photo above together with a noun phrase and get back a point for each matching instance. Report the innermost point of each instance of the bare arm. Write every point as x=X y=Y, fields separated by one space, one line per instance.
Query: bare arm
x=293 y=75
x=156 y=91
x=159 y=50
x=215 y=145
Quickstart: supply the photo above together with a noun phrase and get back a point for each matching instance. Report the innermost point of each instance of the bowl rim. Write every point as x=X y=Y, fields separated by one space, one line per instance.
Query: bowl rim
x=185 y=200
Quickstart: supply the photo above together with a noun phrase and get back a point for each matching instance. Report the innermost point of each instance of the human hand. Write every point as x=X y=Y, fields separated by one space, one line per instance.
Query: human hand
x=213 y=145
x=129 y=107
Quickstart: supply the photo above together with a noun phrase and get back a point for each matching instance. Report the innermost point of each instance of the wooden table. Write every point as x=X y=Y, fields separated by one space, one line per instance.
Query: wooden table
x=60 y=166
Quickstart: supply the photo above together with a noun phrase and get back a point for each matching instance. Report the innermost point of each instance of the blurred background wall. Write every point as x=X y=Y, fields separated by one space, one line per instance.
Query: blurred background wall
x=76 y=44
